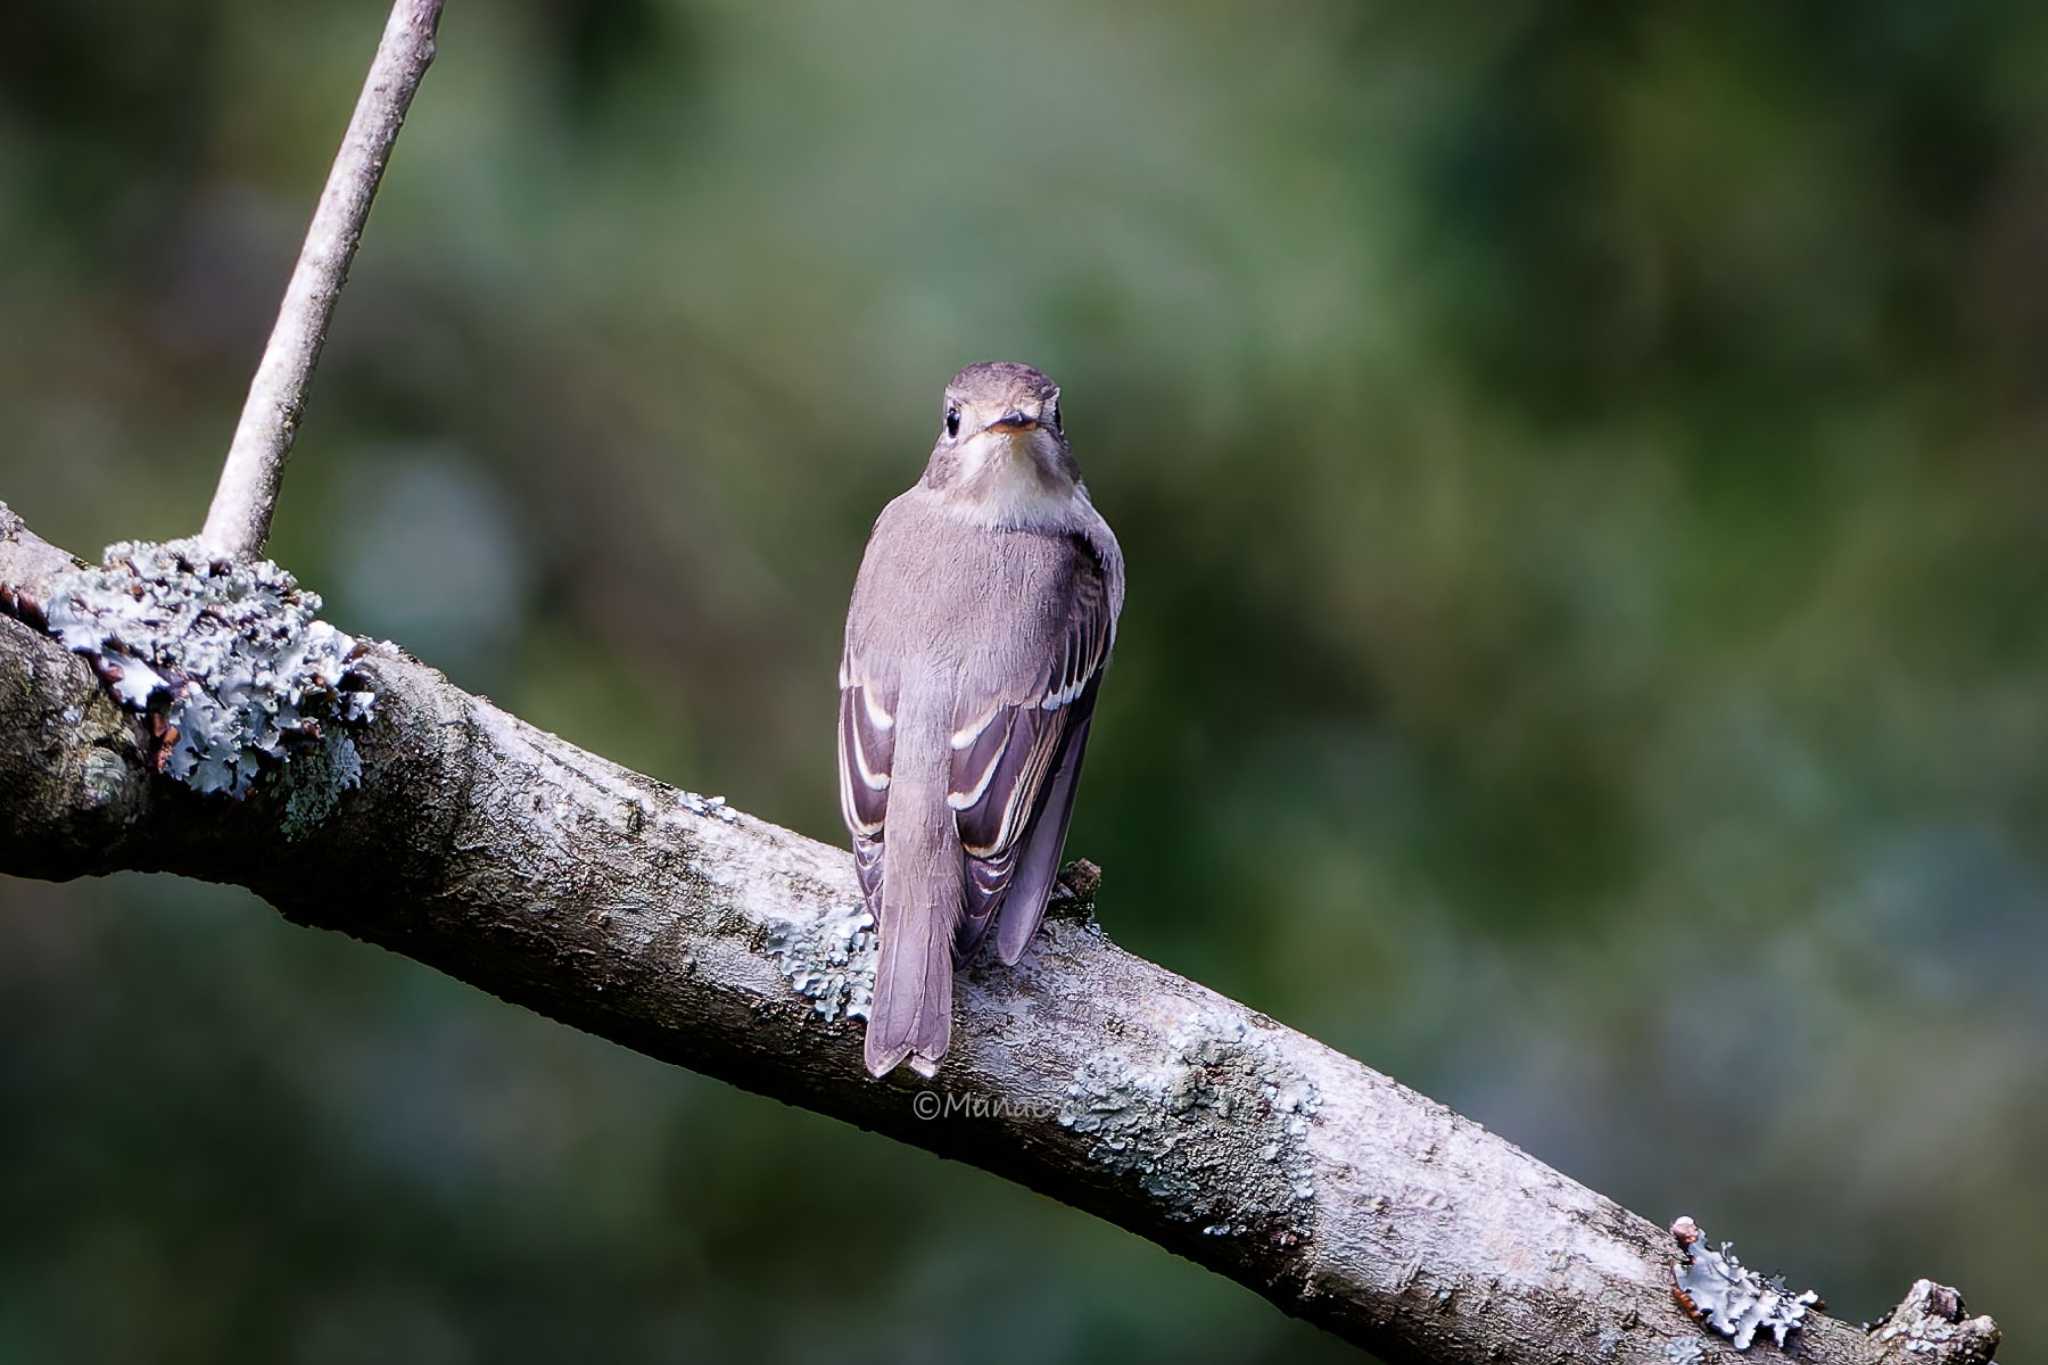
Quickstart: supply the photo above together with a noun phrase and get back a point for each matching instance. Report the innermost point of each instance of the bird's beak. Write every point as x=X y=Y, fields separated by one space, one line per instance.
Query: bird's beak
x=1014 y=420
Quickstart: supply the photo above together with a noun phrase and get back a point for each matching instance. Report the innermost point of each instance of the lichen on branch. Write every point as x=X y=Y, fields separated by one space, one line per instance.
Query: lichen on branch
x=1221 y=1111
x=1715 y=1287
x=229 y=659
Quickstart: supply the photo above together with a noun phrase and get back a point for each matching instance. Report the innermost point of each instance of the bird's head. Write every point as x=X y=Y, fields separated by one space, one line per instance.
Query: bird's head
x=1002 y=450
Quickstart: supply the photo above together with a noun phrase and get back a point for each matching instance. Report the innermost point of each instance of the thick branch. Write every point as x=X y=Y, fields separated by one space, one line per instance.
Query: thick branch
x=513 y=860
x=238 y=522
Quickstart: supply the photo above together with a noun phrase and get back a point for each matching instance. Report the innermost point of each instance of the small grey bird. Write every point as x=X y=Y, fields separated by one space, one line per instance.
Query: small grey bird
x=981 y=622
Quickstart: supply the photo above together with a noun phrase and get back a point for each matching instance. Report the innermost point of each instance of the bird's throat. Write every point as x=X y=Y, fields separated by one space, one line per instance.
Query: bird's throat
x=1011 y=487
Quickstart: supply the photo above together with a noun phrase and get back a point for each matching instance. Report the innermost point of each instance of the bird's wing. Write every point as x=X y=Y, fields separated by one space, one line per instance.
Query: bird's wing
x=867 y=749
x=1017 y=752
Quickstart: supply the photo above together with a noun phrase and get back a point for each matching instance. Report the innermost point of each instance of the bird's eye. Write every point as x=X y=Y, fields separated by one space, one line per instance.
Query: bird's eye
x=952 y=421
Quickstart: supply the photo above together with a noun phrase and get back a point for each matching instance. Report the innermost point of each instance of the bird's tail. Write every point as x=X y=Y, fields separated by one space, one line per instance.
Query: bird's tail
x=922 y=884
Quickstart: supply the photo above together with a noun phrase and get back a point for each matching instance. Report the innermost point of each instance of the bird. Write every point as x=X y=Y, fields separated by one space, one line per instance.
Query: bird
x=982 y=619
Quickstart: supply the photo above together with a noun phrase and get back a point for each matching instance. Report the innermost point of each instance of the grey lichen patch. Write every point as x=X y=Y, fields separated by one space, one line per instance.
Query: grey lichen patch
x=1714 y=1287
x=1215 y=1129
x=230 y=659
x=313 y=781
x=1929 y=1326
x=712 y=807
x=830 y=960
x=103 y=777
x=664 y=808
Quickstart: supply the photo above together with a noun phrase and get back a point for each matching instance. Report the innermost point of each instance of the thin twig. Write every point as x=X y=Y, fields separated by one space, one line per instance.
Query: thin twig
x=239 y=521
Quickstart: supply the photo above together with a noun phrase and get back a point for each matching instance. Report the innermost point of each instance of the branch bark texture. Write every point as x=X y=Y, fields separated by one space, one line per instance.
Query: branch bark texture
x=549 y=876
x=238 y=522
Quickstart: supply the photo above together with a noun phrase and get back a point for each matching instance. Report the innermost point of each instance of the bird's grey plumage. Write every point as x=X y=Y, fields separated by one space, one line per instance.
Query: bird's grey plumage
x=981 y=622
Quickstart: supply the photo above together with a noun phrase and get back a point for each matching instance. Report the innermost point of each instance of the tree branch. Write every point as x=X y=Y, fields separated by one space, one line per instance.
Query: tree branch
x=238 y=522
x=560 y=881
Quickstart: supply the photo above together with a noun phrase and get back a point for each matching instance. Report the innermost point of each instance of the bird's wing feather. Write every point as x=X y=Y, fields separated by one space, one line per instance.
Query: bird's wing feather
x=1038 y=858
x=867 y=748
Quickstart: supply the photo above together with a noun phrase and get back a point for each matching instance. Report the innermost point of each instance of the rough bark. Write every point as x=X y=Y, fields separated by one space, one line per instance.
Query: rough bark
x=565 y=883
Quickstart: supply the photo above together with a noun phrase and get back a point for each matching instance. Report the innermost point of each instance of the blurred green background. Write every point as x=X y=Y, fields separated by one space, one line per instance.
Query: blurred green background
x=1582 y=470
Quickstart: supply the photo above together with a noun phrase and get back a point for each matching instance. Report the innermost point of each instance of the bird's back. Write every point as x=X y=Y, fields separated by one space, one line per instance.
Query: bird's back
x=980 y=615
